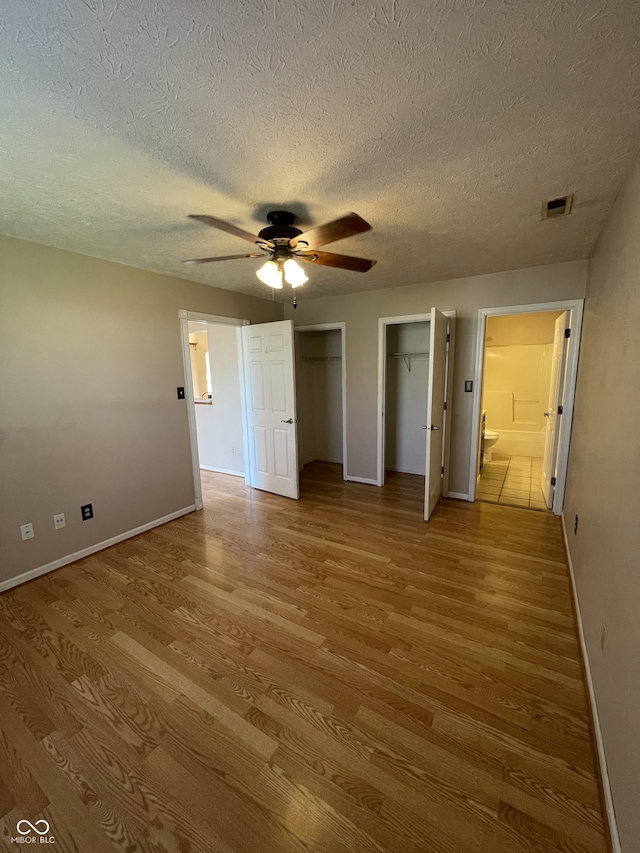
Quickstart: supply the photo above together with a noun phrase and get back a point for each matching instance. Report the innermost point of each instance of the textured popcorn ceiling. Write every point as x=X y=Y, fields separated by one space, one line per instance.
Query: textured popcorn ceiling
x=444 y=123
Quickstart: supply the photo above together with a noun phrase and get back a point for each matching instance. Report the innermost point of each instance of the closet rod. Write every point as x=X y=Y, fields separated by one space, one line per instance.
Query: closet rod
x=322 y=358
x=407 y=356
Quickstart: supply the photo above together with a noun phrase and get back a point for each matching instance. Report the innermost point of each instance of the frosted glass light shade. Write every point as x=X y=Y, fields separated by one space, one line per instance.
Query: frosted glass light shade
x=270 y=274
x=294 y=274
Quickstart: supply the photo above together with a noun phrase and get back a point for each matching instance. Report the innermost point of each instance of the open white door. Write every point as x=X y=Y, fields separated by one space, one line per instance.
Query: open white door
x=553 y=413
x=435 y=411
x=270 y=400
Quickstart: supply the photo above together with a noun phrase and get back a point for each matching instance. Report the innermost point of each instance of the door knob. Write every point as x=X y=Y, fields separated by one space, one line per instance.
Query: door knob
x=546 y=414
x=289 y=421
x=434 y=427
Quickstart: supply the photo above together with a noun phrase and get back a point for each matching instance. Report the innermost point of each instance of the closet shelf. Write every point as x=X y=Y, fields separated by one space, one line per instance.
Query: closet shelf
x=408 y=356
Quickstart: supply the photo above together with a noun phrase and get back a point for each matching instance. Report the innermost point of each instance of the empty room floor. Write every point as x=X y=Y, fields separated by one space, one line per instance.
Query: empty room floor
x=329 y=675
x=512 y=480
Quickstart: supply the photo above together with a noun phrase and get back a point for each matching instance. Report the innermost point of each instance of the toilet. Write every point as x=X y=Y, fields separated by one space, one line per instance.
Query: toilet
x=490 y=438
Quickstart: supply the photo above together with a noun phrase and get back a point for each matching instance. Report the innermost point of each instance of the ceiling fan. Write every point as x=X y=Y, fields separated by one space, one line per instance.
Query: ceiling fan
x=284 y=243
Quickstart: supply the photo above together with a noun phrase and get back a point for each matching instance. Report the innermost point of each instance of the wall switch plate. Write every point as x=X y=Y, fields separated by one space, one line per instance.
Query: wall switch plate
x=180 y=391
x=87 y=511
x=59 y=522
x=468 y=385
x=26 y=531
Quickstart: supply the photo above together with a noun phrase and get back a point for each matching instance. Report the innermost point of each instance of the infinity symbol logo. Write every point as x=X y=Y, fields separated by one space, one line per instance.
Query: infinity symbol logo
x=33 y=827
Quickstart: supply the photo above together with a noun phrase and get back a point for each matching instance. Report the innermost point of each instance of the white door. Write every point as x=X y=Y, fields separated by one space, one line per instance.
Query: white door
x=435 y=411
x=556 y=396
x=267 y=350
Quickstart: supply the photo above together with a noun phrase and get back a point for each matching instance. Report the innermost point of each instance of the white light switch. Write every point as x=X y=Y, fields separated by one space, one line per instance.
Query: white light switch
x=26 y=531
x=59 y=522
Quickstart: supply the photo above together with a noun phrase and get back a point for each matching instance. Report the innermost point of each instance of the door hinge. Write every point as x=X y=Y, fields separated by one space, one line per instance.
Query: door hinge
x=448 y=337
x=560 y=409
x=567 y=333
x=442 y=472
x=553 y=481
x=445 y=407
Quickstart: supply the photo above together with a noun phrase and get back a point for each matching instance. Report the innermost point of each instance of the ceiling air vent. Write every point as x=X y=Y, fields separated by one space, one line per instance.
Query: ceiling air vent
x=557 y=207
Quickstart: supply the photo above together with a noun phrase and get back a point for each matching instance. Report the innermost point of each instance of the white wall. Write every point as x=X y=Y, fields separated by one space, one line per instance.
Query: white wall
x=602 y=489
x=90 y=359
x=406 y=398
x=360 y=312
x=219 y=425
x=198 y=348
x=319 y=395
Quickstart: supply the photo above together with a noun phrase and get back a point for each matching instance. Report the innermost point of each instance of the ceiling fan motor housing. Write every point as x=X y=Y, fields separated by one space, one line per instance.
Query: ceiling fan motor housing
x=280 y=227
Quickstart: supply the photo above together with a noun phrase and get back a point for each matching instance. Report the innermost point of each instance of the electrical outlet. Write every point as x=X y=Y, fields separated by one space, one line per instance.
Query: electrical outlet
x=87 y=511
x=59 y=522
x=26 y=531
x=575 y=527
x=234 y=451
x=468 y=385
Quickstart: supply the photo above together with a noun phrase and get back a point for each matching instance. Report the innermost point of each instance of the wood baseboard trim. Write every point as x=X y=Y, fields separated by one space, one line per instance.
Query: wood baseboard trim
x=605 y=785
x=361 y=480
x=458 y=496
x=92 y=549
x=222 y=470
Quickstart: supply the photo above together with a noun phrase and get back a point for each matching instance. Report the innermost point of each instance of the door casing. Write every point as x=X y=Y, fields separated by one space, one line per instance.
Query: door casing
x=184 y=317
x=575 y=307
x=383 y=322
x=328 y=327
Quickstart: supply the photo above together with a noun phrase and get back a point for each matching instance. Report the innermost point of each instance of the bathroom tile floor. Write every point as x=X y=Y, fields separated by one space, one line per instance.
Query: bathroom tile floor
x=513 y=480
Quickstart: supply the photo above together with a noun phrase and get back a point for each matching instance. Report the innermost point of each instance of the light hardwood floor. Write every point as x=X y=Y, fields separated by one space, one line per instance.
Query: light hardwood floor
x=331 y=675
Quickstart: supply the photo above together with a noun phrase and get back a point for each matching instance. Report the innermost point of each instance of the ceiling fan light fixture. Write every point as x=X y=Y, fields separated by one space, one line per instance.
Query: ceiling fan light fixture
x=294 y=274
x=270 y=275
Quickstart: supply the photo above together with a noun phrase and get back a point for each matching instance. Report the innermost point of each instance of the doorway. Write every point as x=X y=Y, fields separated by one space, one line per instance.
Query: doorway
x=321 y=394
x=406 y=397
x=525 y=382
x=414 y=373
x=213 y=392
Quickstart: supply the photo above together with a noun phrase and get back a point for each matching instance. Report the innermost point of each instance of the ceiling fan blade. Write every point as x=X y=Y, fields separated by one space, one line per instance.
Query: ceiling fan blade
x=343 y=262
x=338 y=229
x=221 y=225
x=223 y=258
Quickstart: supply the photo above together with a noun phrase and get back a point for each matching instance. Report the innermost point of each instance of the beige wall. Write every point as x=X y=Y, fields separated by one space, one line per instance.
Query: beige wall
x=516 y=384
x=89 y=364
x=602 y=489
x=360 y=312
x=521 y=329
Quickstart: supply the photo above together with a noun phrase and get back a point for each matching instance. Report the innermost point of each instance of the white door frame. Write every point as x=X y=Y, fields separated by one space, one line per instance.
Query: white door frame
x=328 y=327
x=575 y=306
x=184 y=317
x=383 y=322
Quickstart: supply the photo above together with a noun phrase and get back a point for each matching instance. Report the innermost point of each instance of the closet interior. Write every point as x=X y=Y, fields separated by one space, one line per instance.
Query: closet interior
x=406 y=396
x=319 y=396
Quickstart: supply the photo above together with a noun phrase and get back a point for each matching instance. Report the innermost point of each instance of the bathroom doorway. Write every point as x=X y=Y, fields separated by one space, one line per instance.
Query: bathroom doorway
x=525 y=382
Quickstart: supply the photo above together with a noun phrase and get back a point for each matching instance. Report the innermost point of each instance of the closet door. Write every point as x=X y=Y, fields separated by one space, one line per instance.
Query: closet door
x=435 y=411
x=270 y=401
